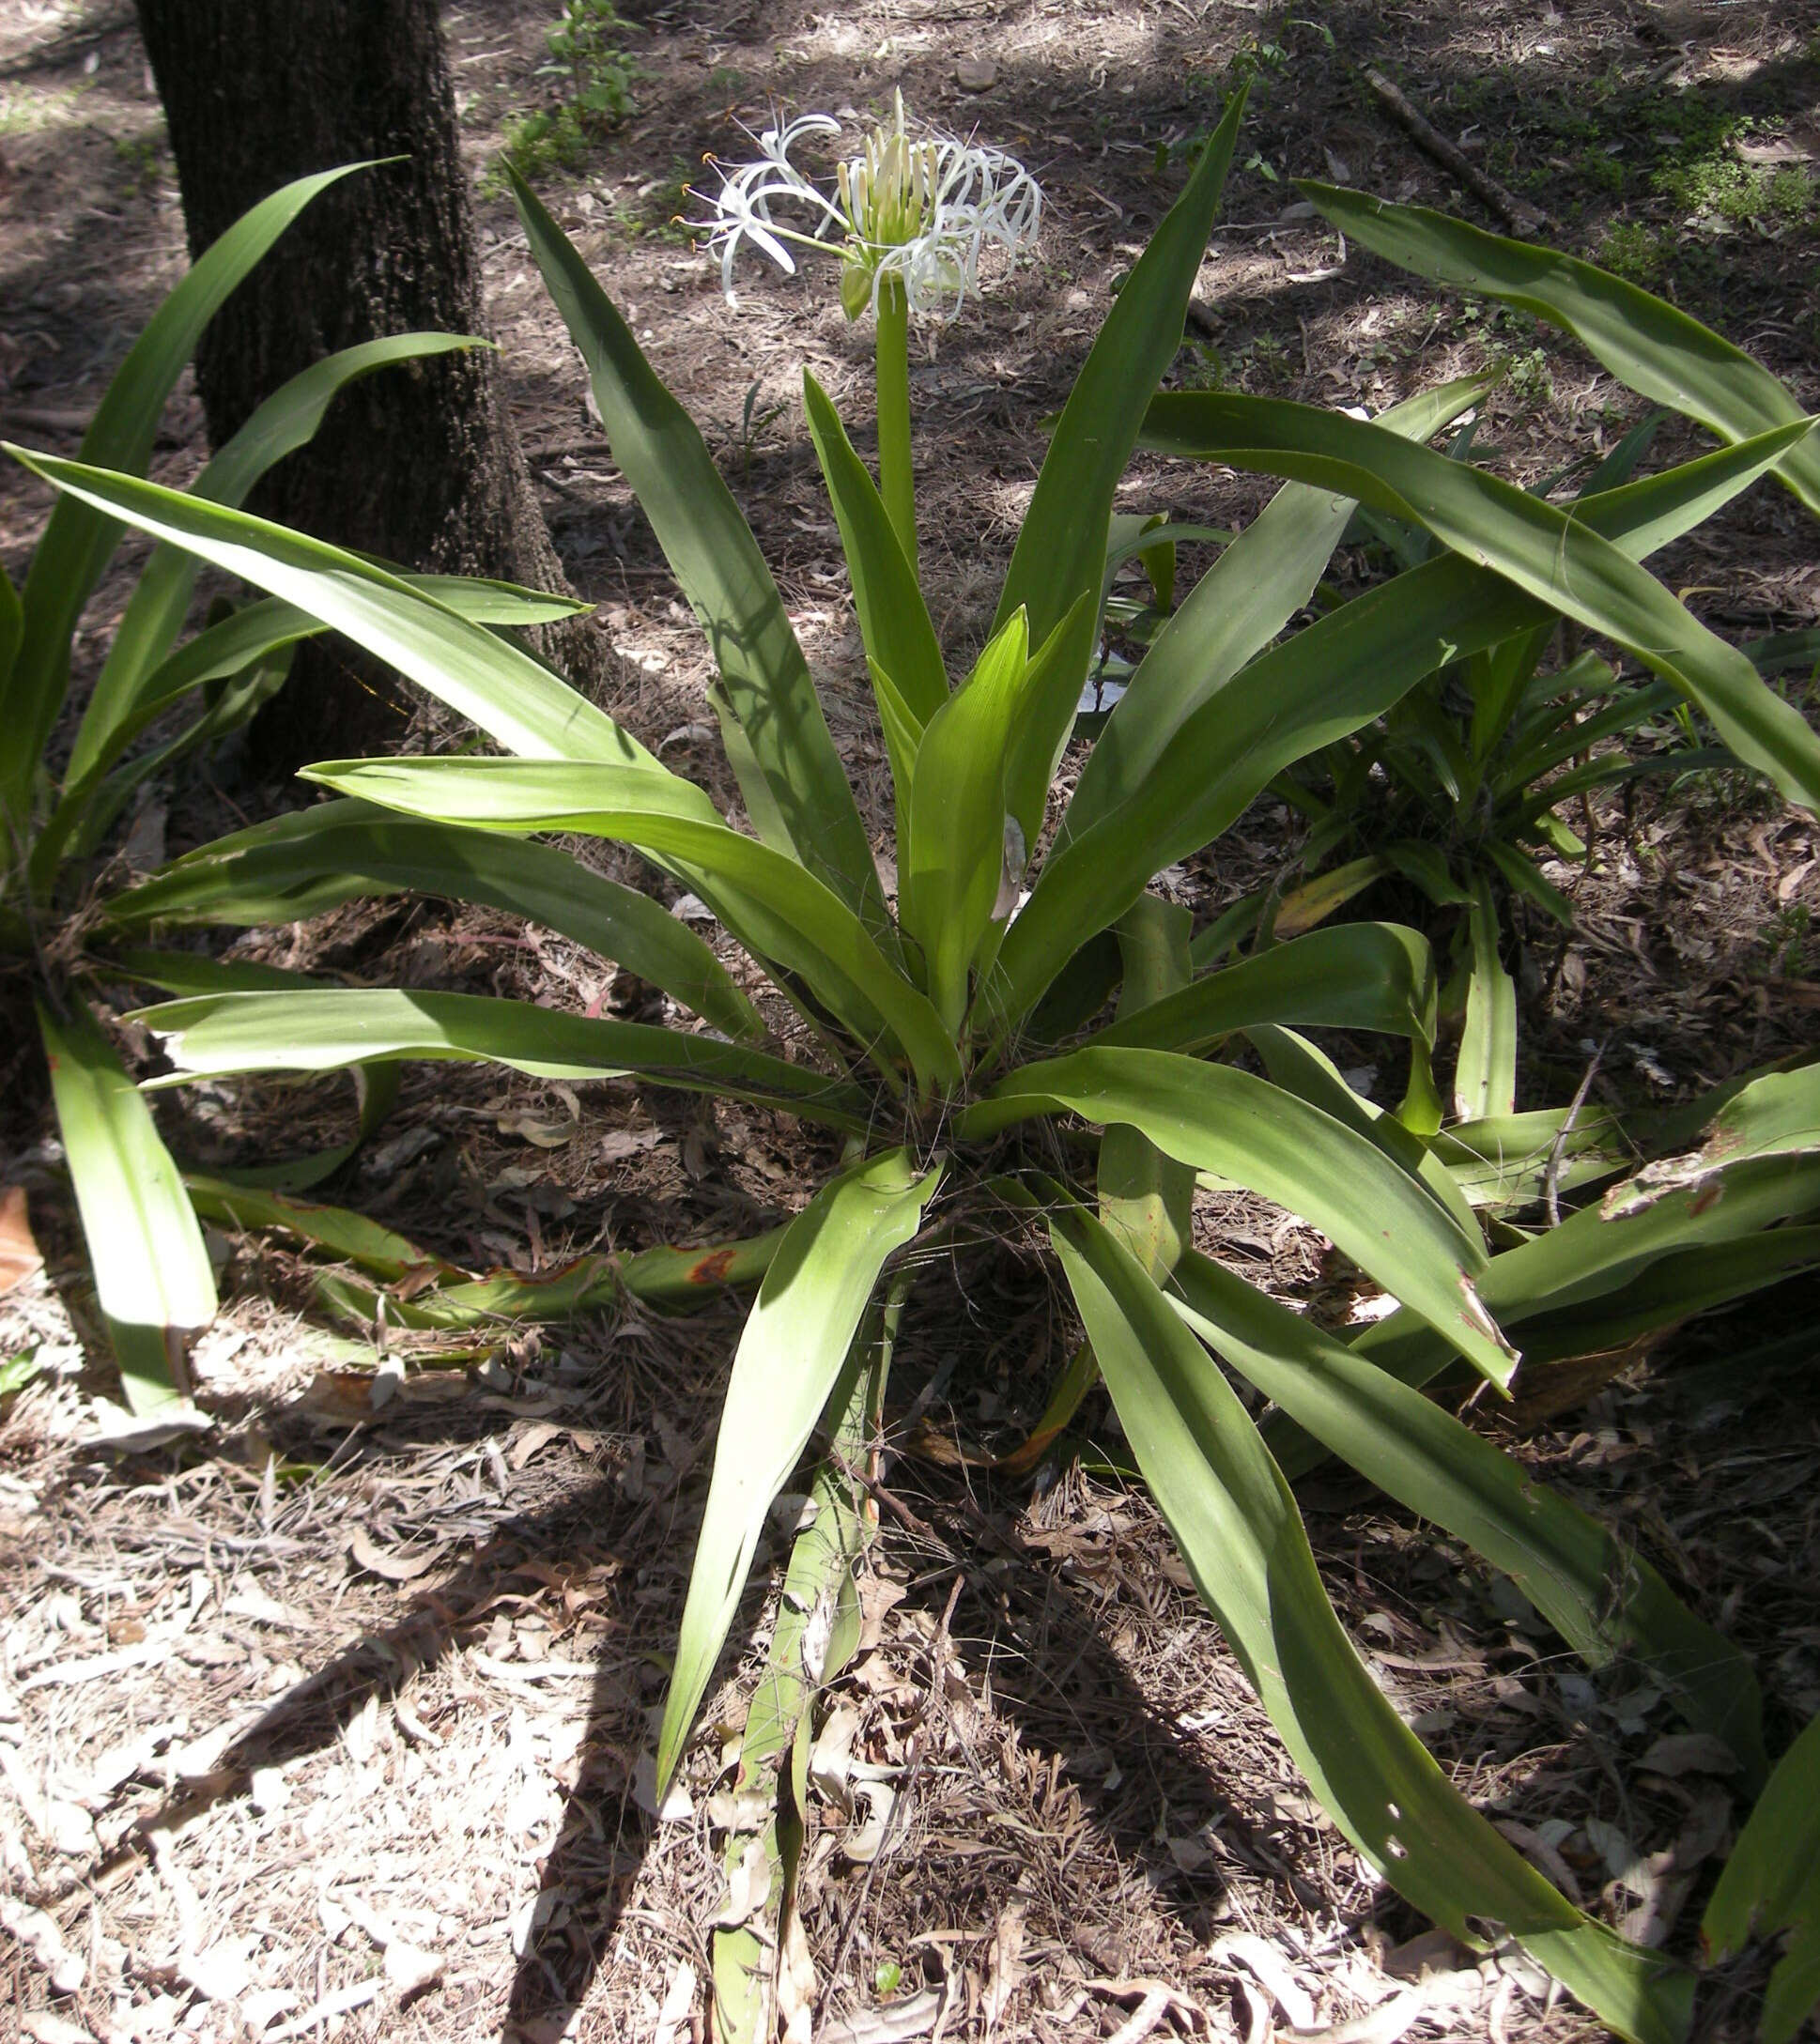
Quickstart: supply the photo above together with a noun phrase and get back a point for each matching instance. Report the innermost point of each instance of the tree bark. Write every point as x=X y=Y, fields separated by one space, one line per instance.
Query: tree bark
x=419 y=464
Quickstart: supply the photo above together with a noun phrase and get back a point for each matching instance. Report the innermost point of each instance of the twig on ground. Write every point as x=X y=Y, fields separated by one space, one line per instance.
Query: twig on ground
x=1518 y=215
x=1557 y=1148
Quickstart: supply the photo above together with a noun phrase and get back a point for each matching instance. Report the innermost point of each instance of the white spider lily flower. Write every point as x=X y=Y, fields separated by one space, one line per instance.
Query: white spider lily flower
x=919 y=209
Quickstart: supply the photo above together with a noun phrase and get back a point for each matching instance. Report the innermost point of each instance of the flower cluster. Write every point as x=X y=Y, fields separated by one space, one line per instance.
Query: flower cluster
x=917 y=210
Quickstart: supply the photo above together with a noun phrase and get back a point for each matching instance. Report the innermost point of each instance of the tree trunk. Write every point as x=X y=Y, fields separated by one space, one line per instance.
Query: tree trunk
x=419 y=464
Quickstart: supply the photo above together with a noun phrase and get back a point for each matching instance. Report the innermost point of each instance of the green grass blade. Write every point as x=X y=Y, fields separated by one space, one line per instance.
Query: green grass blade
x=1603 y=1598
x=1559 y=558
x=1233 y=613
x=1771 y=1883
x=894 y=619
x=1362 y=976
x=791 y=1354
x=1060 y=552
x=151 y=1270
x=288 y=420
x=80 y=538
x=327 y=1030
x=342 y=850
x=1239 y=1532
x=1655 y=350
x=715 y=560
x=348 y=1237
x=510 y=695
x=810 y=930
x=1223 y=1121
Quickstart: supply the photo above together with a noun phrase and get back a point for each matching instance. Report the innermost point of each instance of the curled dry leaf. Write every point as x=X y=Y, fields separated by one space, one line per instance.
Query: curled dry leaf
x=20 y=1256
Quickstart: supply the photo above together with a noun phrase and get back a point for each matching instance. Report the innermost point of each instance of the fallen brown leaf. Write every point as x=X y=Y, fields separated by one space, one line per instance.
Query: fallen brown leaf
x=20 y=1256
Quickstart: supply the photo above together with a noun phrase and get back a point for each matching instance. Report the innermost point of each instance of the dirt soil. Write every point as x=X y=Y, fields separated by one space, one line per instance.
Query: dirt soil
x=336 y=1720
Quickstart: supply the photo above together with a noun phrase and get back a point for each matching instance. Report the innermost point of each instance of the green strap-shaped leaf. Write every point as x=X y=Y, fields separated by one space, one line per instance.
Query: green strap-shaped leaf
x=1147 y=1198
x=790 y=1357
x=326 y=1029
x=1363 y=976
x=350 y=1236
x=1295 y=1065
x=287 y=421
x=893 y=618
x=1557 y=556
x=151 y=1270
x=1603 y=1598
x=810 y=930
x=715 y=557
x=1233 y=613
x=1338 y=674
x=1485 y=1081
x=1504 y=1162
x=1776 y=1115
x=1771 y=1883
x=1591 y=1283
x=1243 y=1128
x=1060 y=551
x=491 y=683
x=949 y=882
x=341 y=850
x=77 y=544
x=1239 y=1532
x=1658 y=350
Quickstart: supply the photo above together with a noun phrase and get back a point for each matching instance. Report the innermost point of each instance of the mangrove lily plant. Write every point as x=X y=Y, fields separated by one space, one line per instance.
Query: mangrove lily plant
x=1055 y=1073
x=158 y=699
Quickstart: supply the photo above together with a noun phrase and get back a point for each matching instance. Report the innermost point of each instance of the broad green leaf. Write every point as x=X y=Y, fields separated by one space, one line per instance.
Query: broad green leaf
x=1237 y=1526
x=1146 y=1198
x=12 y=625
x=1777 y=1115
x=810 y=930
x=1603 y=1599
x=1294 y=1063
x=151 y=1270
x=1305 y=907
x=789 y=1360
x=1338 y=674
x=958 y=809
x=1363 y=976
x=1485 y=1082
x=713 y=557
x=76 y=544
x=340 y=851
x=1672 y=1289
x=328 y=1029
x=185 y=973
x=1504 y=1163
x=1771 y=1883
x=492 y=683
x=1220 y=1120
x=903 y=733
x=1658 y=350
x=671 y=1279
x=1559 y=558
x=1060 y=549
x=1233 y=612
x=342 y=1234
x=287 y=421
x=1602 y=1281
x=893 y=618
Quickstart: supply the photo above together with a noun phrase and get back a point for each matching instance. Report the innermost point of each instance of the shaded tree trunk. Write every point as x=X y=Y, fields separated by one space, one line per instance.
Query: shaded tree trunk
x=419 y=464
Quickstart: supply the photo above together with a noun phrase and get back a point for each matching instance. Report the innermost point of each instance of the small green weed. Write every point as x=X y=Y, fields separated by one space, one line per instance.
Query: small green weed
x=1789 y=937
x=585 y=53
x=1631 y=250
x=1528 y=377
